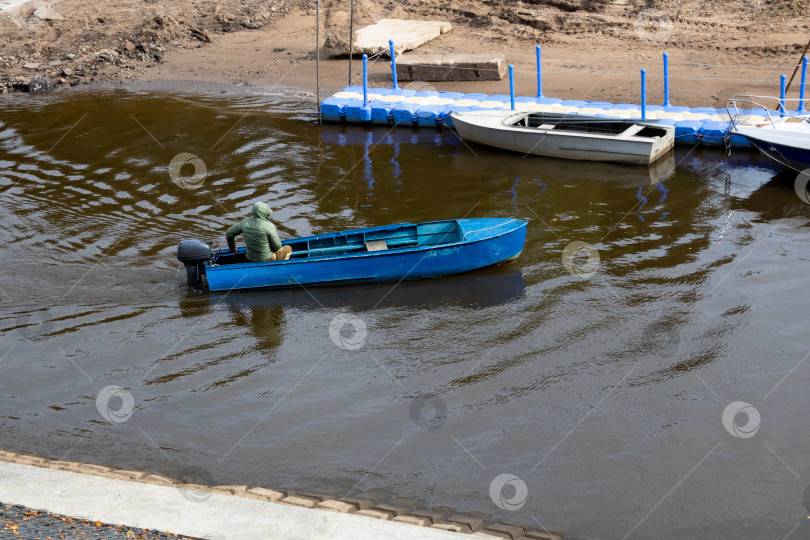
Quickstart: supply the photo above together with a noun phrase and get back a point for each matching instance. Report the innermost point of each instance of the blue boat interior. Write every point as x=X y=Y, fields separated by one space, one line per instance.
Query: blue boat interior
x=400 y=236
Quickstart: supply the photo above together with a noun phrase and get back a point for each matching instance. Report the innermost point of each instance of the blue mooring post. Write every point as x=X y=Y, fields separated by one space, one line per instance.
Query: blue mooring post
x=643 y=94
x=512 y=86
x=801 y=88
x=539 y=72
x=666 y=80
x=393 y=62
x=782 y=94
x=365 y=79
x=366 y=116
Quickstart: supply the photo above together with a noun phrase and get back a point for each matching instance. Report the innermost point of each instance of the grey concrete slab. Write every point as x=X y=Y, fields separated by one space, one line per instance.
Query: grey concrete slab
x=165 y=508
x=451 y=67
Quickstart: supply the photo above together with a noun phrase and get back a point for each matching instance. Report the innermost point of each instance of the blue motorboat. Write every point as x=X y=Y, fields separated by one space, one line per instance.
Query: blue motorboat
x=388 y=253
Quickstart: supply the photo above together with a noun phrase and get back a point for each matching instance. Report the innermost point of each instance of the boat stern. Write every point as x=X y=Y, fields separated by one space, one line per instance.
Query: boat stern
x=664 y=145
x=195 y=256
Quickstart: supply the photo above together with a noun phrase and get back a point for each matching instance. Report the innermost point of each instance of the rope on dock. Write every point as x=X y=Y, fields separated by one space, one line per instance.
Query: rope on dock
x=373 y=58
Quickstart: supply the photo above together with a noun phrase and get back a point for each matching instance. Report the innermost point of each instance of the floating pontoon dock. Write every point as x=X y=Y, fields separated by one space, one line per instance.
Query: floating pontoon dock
x=405 y=107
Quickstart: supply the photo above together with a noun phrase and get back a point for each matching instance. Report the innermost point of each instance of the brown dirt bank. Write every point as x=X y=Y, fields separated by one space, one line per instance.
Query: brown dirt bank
x=593 y=49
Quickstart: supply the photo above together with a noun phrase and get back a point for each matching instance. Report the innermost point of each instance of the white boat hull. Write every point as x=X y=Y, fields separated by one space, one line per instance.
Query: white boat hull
x=785 y=140
x=493 y=128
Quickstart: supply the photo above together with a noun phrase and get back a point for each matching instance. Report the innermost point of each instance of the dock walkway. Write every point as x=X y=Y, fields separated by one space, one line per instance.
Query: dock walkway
x=409 y=108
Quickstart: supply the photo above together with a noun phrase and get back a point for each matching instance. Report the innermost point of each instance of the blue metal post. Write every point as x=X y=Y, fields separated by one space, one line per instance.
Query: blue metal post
x=512 y=86
x=666 y=80
x=539 y=72
x=365 y=79
x=782 y=94
x=366 y=114
x=393 y=62
x=802 y=87
x=643 y=94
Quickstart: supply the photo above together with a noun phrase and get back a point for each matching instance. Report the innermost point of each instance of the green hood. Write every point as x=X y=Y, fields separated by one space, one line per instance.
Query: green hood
x=261 y=210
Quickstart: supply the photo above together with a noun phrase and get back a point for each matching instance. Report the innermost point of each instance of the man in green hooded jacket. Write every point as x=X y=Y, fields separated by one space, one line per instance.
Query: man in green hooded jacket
x=261 y=239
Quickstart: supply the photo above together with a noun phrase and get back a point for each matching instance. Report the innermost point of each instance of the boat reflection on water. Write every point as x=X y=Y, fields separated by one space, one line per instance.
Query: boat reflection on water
x=479 y=289
x=371 y=136
x=544 y=169
x=266 y=322
x=484 y=161
x=777 y=199
x=254 y=311
x=265 y=313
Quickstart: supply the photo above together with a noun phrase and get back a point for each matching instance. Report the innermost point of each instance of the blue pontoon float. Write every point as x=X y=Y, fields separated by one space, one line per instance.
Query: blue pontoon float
x=387 y=253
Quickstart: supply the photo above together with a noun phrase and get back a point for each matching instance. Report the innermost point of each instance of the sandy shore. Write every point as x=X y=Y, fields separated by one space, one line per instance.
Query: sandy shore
x=715 y=51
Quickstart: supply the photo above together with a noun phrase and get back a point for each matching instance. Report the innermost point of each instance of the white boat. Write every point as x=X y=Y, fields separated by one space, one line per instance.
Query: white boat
x=781 y=135
x=567 y=136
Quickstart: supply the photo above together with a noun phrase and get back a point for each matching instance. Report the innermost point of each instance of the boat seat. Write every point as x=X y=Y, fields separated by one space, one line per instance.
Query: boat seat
x=376 y=245
x=546 y=126
x=632 y=130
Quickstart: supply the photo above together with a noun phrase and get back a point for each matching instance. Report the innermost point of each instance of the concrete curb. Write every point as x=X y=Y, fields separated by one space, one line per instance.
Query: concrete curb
x=151 y=501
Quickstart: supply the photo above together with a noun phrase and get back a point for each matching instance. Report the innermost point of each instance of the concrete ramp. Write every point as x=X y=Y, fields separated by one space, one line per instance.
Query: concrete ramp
x=194 y=513
x=407 y=35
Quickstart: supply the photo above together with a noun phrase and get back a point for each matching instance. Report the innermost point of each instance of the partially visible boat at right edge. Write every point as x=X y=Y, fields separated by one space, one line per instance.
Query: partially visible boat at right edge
x=782 y=135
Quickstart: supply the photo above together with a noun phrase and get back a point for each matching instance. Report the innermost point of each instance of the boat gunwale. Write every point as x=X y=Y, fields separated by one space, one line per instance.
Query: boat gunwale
x=496 y=122
x=785 y=137
x=368 y=254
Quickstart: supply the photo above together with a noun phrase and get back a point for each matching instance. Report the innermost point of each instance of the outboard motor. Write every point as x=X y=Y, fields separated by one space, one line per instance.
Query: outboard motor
x=194 y=254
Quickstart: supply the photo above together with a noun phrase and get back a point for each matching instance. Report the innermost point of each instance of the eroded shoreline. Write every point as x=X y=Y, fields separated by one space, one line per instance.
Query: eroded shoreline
x=593 y=55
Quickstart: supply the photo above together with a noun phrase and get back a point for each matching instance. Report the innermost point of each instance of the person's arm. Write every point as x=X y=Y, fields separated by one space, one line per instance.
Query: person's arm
x=272 y=237
x=231 y=233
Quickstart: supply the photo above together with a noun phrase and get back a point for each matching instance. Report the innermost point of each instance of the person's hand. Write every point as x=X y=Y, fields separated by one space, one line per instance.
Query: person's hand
x=235 y=251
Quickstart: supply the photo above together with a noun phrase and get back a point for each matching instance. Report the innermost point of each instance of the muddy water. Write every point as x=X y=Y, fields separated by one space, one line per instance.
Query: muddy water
x=603 y=393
